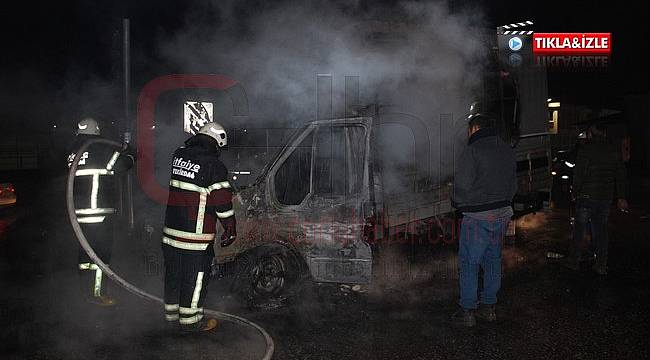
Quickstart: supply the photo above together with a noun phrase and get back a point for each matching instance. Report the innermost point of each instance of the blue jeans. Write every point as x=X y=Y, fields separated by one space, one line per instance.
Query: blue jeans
x=480 y=245
x=595 y=212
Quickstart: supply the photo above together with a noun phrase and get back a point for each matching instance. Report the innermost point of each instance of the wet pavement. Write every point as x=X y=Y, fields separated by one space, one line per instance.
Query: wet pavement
x=545 y=311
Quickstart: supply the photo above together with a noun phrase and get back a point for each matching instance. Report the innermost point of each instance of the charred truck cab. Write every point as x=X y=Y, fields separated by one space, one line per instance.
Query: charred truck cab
x=316 y=209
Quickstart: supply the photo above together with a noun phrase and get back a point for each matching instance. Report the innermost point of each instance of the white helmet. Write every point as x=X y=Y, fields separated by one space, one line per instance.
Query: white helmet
x=88 y=126
x=215 y=131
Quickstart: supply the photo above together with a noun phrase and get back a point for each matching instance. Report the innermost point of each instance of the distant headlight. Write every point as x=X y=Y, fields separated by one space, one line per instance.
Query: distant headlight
x=553 y=173
x=569 y=164
x=565 y=177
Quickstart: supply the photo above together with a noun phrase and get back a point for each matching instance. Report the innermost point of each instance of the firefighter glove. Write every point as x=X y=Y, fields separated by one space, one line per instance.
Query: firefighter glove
x=226 y=240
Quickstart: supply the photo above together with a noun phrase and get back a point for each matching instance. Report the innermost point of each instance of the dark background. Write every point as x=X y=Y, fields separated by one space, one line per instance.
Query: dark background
x=50 y=48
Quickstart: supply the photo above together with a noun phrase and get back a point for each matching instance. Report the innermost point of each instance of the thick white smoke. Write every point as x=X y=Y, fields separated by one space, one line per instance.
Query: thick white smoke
x=417 y=57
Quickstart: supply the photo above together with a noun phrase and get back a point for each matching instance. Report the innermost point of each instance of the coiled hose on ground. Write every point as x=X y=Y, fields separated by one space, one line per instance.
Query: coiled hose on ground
x=270 y=346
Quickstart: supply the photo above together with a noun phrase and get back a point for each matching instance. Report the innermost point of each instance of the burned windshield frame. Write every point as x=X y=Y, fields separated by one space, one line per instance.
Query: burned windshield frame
x=291 y=168
x=352 y=140
x=339 y=152
x=276 y=157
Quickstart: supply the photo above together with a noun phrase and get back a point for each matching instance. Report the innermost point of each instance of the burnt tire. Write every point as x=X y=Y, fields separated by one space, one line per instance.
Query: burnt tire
x=265 y=276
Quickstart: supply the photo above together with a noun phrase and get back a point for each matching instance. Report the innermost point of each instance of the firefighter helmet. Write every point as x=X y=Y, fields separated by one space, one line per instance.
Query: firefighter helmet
x=88 y=126
x=215 y=131
x=475 y=109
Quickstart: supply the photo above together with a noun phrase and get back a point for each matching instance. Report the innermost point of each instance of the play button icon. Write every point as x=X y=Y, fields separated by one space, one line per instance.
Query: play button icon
x=515 y=43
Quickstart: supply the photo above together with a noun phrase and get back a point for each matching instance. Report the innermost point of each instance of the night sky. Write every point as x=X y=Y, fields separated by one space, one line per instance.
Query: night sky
x=47 y=44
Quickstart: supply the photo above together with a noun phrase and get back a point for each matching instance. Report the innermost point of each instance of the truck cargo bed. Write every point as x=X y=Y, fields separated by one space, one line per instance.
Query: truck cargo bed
x=409 y=207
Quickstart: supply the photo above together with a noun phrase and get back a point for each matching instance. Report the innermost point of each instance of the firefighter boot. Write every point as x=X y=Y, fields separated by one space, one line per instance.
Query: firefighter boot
x=97 y=294
x=172 y=326
x=101 y=300
x=171 y=317
x=204 y=325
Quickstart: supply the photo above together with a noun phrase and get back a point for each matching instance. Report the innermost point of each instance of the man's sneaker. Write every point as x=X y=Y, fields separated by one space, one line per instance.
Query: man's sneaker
x=600 y=269
x=486 y=313
x=205 y=324
x=464 y=317
x=102 y=300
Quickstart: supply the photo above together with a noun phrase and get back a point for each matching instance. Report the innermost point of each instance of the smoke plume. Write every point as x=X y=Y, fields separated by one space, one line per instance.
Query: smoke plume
x=413 y=58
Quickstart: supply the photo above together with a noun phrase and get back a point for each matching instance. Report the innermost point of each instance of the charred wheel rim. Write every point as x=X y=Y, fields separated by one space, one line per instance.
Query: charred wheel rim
x=269 y=275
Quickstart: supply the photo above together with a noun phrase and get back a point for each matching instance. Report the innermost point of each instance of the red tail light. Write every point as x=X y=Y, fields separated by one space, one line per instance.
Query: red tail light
x=11 y=188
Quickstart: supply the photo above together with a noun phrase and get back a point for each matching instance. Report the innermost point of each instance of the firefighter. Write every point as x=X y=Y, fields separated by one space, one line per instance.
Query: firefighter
x=599 y=175
x=95 y=199
x=199 y=194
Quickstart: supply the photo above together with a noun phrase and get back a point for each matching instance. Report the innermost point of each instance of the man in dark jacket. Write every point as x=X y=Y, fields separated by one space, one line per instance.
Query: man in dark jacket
x=199 y=194
x=484 y=186
x=599 y=175
x=96 y=198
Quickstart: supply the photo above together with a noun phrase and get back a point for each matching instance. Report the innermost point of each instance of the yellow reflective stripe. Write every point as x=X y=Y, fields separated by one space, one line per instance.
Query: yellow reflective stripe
x=96 y=211
x=172 y=317
x=86 y=172
x=190 y=320
x=219 y=185
x=200 y=216
x=112 y=161
x=171 y=307
x=97 y=291
x=94 y=192
x=193 y=187
x=190 y=315
x=187 y=186
x=97 y=288
x=197 y=289
x=226 y=214
x=91 y=219
x=190 y=311
x=88 y=266
x=184 y=245
x=187 y=235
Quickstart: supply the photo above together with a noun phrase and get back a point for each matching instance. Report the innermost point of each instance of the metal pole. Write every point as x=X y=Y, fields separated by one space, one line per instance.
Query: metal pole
x=127 y=79
x=127 y=117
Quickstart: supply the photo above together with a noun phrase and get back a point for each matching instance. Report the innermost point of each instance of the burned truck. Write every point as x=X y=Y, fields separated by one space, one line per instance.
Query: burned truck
x=319 y=208
x=320 y=205
x=330 y=196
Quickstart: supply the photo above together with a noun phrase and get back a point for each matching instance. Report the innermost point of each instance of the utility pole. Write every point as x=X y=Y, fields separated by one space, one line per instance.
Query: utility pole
x=127 y=116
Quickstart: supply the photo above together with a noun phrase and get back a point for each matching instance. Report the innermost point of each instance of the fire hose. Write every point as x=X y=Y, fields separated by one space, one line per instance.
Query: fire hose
x=270 y=346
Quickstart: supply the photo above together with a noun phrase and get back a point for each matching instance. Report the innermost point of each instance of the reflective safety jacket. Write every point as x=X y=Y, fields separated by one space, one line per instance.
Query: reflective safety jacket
x=199 y=193
x=599 y=173
x=95 y=185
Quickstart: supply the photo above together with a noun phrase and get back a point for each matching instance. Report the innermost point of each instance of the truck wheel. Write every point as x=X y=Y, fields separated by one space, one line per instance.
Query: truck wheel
x=265 y=276
x=268 y=275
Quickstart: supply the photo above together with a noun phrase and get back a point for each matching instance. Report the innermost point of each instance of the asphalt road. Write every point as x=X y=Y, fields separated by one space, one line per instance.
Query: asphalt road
x=545 y=311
